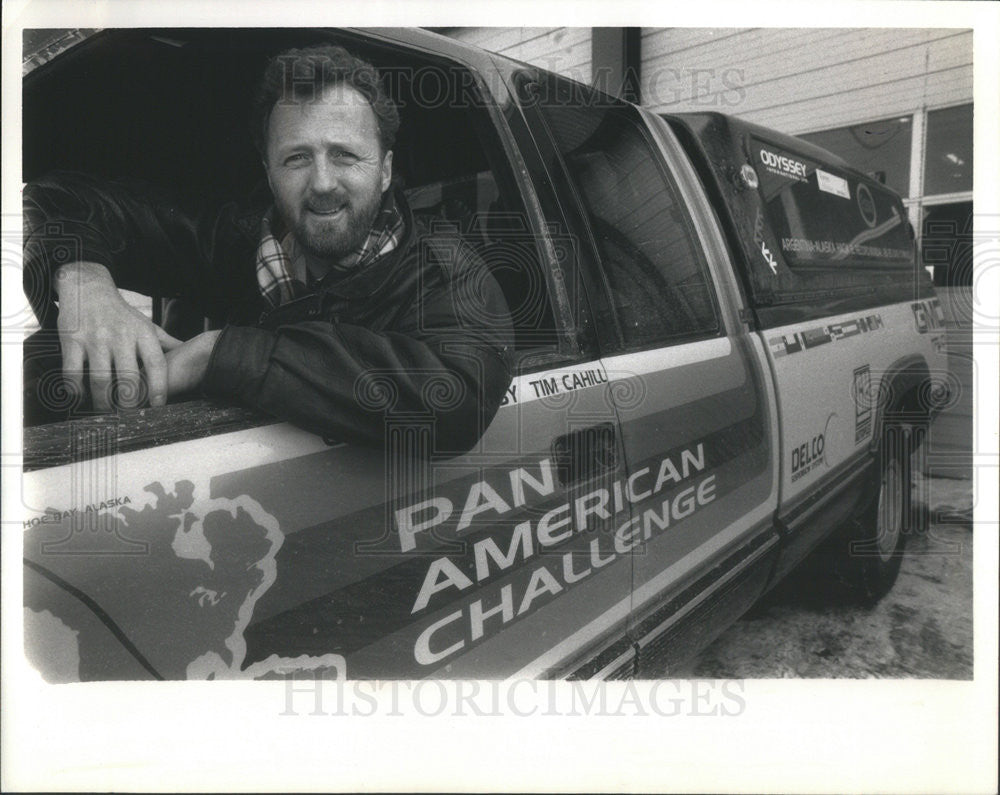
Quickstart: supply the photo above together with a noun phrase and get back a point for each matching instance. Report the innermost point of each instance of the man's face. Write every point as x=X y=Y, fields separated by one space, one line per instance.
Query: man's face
x=326 y=170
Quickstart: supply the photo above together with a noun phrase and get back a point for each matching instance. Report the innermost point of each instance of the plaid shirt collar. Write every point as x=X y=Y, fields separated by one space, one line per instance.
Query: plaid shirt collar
x=281 y=269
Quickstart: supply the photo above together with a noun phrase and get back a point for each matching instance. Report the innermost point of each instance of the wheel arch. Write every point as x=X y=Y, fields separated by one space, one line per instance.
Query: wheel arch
x=902 y=392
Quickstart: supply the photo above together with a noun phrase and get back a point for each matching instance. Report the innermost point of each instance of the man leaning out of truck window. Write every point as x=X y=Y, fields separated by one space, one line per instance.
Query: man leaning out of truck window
x=336 y=309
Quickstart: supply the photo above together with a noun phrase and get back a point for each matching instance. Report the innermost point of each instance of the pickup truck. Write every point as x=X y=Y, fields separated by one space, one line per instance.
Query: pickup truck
x=726 y=355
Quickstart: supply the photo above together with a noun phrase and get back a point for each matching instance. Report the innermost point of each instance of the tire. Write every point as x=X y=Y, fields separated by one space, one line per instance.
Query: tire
x=869 y=549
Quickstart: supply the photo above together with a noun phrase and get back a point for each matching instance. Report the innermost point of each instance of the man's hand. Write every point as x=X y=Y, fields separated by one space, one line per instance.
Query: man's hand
x=188 y=362
x=97 y=326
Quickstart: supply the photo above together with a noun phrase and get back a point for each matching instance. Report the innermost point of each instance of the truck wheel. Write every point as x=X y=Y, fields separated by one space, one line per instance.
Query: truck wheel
x=870 y=551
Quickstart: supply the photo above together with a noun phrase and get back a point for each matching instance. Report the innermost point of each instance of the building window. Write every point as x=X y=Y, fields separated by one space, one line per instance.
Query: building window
x=946 y=243
x=880 y=148
x=946 y=227
x=948 y=164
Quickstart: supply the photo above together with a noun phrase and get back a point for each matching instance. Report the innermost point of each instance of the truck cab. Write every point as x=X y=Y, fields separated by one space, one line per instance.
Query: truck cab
x=726 y=355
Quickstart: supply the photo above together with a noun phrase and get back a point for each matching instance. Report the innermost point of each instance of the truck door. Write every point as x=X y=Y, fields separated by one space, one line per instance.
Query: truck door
x=696 y=410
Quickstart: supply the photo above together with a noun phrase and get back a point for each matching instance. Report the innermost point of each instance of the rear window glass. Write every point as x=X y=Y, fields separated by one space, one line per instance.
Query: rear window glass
x=822 y=215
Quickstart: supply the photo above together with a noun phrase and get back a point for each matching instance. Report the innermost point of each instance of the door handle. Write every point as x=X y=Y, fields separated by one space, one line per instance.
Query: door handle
x=585 y=453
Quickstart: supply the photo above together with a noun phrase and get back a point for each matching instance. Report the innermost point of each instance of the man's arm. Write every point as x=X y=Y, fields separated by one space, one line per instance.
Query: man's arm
x=446 y=361
x=84 y=238
x=347 y=383
x=150 y=241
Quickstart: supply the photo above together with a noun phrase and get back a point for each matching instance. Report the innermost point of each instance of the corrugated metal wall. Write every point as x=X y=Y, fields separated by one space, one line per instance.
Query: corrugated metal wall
x=803 y=79
x=565 y=51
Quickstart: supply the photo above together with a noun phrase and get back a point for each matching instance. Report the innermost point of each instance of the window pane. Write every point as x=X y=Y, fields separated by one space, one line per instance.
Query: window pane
x=873 y=147
x=659 y=284
x=948 y=168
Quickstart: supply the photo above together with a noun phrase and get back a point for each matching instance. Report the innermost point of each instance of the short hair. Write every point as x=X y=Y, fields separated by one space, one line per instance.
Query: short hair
x=305 y=73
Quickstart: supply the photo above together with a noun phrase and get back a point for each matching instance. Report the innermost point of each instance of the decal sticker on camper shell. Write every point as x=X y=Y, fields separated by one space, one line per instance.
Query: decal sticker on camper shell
x=831 y=183
x=861 y=391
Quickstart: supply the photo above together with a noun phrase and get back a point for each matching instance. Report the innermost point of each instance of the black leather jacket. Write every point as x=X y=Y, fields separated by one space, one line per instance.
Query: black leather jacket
x=422 y=335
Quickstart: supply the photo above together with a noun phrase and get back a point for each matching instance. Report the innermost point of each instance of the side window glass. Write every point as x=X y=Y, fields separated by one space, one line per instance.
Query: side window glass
x=493 y=223
x=656 y=275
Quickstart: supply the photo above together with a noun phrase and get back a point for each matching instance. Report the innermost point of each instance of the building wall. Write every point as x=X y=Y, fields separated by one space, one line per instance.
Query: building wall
x=566 y=51
x=804 y=79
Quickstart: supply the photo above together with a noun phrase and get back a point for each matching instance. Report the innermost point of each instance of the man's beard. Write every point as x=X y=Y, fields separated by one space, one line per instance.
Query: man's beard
x=334 y=242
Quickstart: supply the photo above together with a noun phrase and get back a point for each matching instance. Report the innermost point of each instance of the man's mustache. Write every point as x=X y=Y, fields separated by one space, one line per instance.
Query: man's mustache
x=325 y=204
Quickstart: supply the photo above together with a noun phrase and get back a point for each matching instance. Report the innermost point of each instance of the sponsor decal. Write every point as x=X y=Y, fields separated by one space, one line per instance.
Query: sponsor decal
x=831 y=183
x=528 y=388
x=928 y=315
x=54 y=516
x=783 y=166
x=806 y=457
x=842 y=250
x=866 y=205
x=207 y=562
x=821 y=335
x=567 y=382
x=680 y=483
x=769 y=258
x=510 y=396
x=862 y=392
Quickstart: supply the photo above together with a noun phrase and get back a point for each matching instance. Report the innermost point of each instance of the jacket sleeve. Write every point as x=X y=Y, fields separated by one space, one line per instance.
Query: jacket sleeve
x=150 y=242
x=445 y=368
